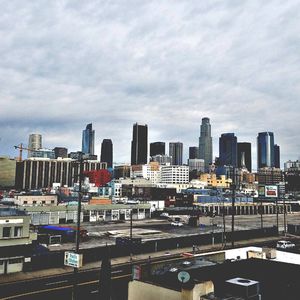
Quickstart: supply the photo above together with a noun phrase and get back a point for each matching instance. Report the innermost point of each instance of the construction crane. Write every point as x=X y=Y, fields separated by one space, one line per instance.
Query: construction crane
x=21 y=148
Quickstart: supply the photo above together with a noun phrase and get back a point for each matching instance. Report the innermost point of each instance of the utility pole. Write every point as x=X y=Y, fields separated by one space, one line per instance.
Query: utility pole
x=131 y=245
x=277 y=198
x=233 y=208
x=284 y=217
x=74 y=292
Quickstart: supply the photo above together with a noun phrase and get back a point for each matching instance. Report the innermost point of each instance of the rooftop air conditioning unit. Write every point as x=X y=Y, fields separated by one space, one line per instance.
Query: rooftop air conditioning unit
x=241 y=287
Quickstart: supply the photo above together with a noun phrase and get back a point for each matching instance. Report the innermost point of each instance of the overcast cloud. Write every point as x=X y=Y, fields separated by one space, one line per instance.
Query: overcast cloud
x=64 y=64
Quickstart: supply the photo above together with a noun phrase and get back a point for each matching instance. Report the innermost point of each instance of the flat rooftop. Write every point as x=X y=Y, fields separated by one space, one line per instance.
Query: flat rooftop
x=8 y=211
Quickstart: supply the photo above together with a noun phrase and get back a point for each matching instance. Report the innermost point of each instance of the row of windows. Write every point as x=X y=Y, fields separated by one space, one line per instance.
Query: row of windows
x=7 y=231
x=42 y=202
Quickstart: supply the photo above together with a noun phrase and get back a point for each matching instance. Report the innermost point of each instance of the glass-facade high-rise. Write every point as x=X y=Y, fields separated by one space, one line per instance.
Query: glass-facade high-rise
x=139 y=144
x=157 y=148
x=60 y=152
x=244 y=159
x=176 y=152
x=277 y=156
x=107 y=152
x=193 y=152
x=88 y=139
x=265 y=150
x=34 y=143
x=228 y=149
x=205 y=143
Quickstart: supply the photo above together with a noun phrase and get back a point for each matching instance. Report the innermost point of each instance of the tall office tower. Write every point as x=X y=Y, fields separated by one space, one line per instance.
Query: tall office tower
x=107 y=152
x=193 y=152
x=60 y=152
x=176 y=151
x=157 y=148
x=228 y=149
x=265 y=150
x=88 y=139
x=34 y=143
x=205 y=143
x=139 y=144
x=277 y=156
x=244 y=156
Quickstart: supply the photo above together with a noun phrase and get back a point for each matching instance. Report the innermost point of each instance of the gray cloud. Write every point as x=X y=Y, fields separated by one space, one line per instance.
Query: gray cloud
x=164 y=63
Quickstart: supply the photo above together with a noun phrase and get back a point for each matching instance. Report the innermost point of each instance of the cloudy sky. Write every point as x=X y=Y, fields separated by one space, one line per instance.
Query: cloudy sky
x=64 y=64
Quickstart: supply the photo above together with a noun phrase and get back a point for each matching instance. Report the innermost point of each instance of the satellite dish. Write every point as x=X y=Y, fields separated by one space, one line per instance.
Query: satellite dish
x=183 y=276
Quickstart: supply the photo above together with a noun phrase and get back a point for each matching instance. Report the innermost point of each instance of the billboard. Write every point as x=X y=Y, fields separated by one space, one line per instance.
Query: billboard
x=271 y=191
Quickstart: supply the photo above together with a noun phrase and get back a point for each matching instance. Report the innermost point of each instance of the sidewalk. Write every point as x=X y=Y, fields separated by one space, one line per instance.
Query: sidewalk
x=114 y=261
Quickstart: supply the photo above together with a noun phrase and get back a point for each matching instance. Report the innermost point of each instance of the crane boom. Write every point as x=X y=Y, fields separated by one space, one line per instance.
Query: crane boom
x=21 y=148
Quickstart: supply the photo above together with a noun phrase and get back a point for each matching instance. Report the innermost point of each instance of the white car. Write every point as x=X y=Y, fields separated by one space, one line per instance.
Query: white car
x=179 y=224
x=285 y=245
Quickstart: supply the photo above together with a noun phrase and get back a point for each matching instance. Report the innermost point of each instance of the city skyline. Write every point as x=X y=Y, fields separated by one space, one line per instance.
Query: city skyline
x=164 y=64
x=249 y=157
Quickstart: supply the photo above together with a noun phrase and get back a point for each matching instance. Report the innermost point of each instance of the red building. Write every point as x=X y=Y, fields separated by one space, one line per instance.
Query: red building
x=99 y=177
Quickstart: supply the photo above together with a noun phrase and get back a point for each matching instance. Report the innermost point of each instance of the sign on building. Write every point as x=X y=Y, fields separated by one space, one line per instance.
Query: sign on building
x=73 y=259
x=271 y=191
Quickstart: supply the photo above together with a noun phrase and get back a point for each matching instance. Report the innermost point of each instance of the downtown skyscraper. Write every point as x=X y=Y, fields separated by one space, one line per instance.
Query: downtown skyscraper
x=157 y=148
x=88 y=139
x=139 y=144
x=265 y=150
x=244 y=156
x=107 y=152
x=34 y=143
x=228 y=149
x=205 y=143
x=176 y=152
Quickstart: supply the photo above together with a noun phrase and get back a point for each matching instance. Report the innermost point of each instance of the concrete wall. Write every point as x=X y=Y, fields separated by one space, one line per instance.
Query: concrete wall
x=138 y=290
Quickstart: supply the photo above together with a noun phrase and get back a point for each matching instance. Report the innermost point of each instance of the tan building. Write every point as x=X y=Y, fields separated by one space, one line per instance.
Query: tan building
x=33 y=200
x=7 y=172
x=148 y=291
x=212 y=180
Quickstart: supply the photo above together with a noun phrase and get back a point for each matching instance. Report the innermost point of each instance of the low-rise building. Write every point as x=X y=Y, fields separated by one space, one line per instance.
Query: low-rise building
x=15 y=240
x=36 y=200
x=212 y=180
x=174 y=174
x=150 y=171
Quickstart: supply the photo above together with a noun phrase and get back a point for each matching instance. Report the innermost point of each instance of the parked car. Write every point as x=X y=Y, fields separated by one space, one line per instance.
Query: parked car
x=285 y=245
x=178 y=224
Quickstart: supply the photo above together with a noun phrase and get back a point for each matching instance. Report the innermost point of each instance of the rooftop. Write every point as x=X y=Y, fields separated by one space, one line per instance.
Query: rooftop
x=8 y=211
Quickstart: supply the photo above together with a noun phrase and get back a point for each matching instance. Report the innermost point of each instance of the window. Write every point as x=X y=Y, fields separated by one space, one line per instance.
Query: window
x=43 y=202
x=15 y=261
x=25 y=202
x=33 y=202
x=18 y=231
x=6 y=232
x=52 y=201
